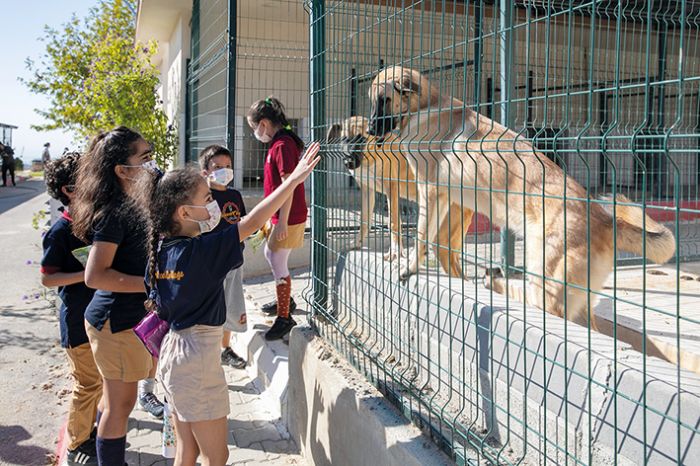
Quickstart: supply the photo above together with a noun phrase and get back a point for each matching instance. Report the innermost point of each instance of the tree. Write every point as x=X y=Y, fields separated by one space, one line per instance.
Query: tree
x=97 y=77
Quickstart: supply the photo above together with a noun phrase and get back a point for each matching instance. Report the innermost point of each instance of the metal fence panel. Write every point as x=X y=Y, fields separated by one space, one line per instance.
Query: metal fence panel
x=531 y=117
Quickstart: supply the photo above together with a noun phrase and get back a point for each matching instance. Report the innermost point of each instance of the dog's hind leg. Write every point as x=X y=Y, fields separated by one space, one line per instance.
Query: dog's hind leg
x=454 y=223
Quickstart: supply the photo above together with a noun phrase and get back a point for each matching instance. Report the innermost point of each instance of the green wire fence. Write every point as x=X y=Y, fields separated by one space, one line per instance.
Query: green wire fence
x=606 y=93
x=242 y=51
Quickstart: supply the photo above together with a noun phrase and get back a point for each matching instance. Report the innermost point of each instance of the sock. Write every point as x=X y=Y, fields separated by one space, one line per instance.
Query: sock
x=284 y=292
x=111 y=451
x=146 y=386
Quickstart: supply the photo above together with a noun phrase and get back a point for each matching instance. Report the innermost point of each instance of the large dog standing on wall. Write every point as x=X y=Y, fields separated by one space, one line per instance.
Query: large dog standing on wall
x=457 y=153
x=382 y=168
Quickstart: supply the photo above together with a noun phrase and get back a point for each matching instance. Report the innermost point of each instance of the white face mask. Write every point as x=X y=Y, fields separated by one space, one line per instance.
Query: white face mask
x=208 y=225
x=151 y=166
x=260 y=136
x=222 y=176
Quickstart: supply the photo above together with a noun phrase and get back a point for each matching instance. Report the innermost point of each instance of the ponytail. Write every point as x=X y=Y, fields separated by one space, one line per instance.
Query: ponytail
x=273 y=110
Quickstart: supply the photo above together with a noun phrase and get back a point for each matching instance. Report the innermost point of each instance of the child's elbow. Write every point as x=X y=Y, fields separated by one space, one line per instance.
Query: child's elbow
x=91 y=279
x=46 y=280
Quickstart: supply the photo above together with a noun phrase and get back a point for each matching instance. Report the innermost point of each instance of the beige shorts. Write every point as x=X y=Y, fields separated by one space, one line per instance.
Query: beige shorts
x=119 y=356
x=294 y=240
x=190 y=371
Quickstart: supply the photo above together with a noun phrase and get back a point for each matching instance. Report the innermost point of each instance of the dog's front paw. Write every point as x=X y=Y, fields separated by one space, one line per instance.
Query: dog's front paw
x=405 y=272
x=494 y=279
x=394 y=253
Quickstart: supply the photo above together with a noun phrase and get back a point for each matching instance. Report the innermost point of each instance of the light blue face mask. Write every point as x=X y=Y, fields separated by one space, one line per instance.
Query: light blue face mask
x=222 y=176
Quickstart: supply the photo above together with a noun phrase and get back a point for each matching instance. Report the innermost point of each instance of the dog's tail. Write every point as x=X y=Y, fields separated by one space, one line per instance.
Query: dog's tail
x=634 y=226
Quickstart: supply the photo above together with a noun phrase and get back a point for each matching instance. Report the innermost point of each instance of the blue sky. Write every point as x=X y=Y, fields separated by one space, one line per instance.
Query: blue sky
x=22 y=25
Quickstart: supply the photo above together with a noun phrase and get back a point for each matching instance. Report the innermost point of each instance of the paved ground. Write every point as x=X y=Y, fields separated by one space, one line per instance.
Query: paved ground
x=257 y=435
x=33 y=377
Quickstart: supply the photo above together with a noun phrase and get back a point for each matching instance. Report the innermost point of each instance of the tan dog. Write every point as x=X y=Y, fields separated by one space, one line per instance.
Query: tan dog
x=458 y=152
x=376 y=168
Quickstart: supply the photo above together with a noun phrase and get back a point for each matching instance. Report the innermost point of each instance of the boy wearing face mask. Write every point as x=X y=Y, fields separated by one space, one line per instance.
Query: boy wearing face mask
x=216 y=163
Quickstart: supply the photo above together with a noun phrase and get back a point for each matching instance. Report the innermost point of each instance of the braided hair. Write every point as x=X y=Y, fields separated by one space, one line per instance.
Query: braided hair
x=97 y=187
x=273 y=110
x=160 y=196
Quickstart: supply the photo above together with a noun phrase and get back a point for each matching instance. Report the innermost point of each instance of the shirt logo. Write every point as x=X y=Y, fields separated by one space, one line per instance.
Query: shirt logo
x=170 y=275
x=230 y=212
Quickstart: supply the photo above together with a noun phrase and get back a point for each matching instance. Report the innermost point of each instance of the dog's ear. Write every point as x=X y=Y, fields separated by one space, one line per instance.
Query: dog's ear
x=407 y=84
x=334 y=132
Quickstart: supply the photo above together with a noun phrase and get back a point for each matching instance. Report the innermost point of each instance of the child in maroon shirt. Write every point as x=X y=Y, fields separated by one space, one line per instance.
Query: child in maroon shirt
x=269 y=123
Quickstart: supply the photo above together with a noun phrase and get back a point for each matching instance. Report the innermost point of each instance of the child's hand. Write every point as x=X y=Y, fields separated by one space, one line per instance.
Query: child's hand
x=307 y=163
x=280 y=232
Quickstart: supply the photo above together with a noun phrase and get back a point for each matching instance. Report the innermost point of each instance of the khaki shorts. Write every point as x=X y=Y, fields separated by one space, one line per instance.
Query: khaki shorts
x=295 y=238
x=119 y=356
x=190 y=370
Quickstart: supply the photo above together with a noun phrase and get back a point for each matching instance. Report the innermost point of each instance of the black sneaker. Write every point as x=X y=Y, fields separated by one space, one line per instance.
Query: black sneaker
x=229 y=357
x=271 y=308
x=281 y=327
x=151 y=405
x=84 y=455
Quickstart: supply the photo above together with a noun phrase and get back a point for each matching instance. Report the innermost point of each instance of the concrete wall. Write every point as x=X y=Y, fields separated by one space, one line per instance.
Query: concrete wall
x=503 y=381
x=338 y=419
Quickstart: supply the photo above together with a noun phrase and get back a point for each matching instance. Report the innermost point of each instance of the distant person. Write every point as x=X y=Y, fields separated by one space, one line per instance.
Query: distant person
x=8 y=164
x=65 y=150
x=45 y=156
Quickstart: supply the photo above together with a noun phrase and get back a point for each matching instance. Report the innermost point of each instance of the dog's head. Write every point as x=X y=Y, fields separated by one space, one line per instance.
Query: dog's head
x=395 y=92
x=352 y=137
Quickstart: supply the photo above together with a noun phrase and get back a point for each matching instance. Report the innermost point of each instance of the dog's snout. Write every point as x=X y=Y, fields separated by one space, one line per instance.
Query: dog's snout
x=353 y=148
x=382 y=121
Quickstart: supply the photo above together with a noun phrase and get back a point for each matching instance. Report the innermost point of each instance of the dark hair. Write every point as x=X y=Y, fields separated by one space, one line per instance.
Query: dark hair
x=273 y=110
x=61 y=172
x=160 y=197
x=210 y=152
x=97 y=186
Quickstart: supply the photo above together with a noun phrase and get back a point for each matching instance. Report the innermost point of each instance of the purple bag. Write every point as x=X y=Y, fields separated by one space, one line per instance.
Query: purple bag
x=151 y=331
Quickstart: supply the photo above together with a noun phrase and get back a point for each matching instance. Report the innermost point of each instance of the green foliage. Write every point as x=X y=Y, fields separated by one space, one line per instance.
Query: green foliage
x=19 y=165
x=98 y=78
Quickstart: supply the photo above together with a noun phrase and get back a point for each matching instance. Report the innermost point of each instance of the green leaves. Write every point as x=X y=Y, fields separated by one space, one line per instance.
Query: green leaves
x=97 y=78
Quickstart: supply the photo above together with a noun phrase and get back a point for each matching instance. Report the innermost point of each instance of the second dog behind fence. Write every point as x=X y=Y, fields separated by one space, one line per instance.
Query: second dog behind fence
x=380 y=166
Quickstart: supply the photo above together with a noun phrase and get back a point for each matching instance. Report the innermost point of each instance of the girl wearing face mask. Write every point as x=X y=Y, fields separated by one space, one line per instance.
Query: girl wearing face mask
x=269 y=124
x=186 y=271
x=216 y=164
x=105 y=213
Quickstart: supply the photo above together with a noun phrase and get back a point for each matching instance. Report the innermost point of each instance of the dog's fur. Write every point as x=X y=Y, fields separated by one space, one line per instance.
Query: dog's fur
x=568 y=236
x=377 y=168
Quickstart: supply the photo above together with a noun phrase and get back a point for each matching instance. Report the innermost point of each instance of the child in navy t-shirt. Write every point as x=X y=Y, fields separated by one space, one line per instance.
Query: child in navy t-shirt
x=216 y=163
x=185 y=276
x=61 y=267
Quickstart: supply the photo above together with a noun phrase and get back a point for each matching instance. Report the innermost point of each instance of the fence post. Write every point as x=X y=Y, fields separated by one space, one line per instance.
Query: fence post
x=231 y=76
x=507 y=91
x=319 y=247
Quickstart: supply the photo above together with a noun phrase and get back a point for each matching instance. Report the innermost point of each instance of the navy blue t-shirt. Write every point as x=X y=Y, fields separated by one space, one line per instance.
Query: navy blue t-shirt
x=191 y=274
x=125 y=228
x=59 y=242
x=232 y=208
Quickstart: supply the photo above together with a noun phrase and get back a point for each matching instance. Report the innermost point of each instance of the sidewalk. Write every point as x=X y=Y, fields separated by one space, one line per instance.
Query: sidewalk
x=257 y=434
